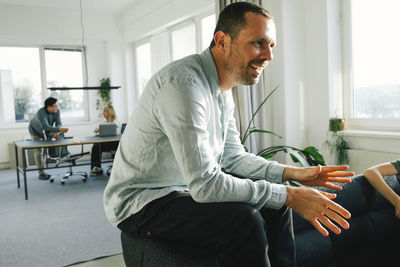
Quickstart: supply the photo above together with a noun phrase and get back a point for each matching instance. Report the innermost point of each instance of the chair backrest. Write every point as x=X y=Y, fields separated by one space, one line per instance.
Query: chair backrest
x=59 y=151
x=123 y=126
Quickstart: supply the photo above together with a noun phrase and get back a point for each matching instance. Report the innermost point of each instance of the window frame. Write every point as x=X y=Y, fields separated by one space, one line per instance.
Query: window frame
x=348 y=96
x=195 y=19
x=44 y=91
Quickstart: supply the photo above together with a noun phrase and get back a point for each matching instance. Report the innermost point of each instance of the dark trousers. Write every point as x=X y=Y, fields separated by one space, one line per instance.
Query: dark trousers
x=236 y=233
x=97 y=149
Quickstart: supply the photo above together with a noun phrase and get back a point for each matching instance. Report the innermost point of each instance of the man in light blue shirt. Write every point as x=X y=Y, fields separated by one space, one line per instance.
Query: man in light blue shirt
x=167 y=181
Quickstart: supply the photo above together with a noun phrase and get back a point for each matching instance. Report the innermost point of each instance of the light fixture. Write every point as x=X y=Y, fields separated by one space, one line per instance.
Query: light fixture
x=86 y=87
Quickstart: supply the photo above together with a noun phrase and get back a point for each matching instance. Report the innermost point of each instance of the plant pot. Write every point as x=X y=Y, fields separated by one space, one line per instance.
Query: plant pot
x=336 y=124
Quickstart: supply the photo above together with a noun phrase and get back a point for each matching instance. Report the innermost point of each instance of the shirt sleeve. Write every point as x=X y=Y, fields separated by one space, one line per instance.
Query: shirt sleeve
x=396 y=164
x=239 y=162
x=58 y=120
x=181 y=109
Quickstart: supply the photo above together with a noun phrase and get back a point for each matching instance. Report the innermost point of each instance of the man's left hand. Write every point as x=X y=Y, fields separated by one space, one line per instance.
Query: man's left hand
x=321 y=176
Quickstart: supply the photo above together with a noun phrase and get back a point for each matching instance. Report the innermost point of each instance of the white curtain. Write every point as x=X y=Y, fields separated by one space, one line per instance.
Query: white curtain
x=247 y=99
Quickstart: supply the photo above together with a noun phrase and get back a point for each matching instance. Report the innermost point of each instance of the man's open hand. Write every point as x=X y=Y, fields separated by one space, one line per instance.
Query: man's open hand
x=319 y=175
x=317 y=208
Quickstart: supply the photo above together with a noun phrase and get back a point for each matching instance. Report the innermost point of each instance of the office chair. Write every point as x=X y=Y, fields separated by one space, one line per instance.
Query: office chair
x=60 y=155
x=109 y=168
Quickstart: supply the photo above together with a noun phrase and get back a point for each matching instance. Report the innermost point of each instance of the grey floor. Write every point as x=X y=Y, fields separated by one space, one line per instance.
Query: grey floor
x=112 y=261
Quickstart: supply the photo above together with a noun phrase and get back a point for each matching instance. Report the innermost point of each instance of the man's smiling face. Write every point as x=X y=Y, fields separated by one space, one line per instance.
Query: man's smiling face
x=250 y=52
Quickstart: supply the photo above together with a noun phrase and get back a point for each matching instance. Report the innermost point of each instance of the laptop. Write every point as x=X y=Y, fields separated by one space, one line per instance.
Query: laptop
x=108 y=129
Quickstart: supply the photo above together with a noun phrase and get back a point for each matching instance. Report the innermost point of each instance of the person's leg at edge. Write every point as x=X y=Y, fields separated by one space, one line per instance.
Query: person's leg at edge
x=95 y=156
x=280 y=234
x=234 y=232
x=38 y=156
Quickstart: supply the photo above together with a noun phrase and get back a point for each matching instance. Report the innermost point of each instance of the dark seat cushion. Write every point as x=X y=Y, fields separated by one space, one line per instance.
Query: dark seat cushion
x=154 y=253
x=368 y=241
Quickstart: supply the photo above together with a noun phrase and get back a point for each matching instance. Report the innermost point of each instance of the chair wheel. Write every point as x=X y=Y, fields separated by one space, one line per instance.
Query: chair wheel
x=62 y=182
x=51 y=180
x=84 y=179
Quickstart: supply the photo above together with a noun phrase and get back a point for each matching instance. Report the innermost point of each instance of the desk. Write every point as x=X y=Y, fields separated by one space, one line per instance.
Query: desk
x=24 y=145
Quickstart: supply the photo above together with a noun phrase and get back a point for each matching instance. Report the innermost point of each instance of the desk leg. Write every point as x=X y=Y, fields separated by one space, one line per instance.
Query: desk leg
x=17 y=165
x=24 y=170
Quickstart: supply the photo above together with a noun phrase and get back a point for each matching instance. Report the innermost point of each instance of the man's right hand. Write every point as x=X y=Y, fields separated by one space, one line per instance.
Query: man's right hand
x=55 y=135
x=63 y=130
x=317 y=208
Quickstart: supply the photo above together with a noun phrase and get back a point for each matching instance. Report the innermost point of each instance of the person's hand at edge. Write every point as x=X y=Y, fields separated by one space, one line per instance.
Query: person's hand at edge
x=63 y=130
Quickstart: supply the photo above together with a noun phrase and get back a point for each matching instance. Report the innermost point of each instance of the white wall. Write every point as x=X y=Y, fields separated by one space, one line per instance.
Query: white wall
x=25 y=26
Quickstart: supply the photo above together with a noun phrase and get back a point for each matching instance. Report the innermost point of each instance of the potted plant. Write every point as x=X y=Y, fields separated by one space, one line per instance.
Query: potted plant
x=336 y=142
x=104 y=94
x=309 y=156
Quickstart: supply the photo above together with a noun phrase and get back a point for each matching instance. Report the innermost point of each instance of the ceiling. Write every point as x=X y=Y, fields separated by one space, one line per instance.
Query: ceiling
x=113 y=6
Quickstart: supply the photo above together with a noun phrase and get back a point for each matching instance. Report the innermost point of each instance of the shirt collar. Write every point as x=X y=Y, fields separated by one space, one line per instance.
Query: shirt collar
x=210 y=70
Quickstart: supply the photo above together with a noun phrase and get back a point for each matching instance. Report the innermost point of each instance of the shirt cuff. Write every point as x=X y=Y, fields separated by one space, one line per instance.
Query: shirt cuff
x=278 y=196
x=275 y=172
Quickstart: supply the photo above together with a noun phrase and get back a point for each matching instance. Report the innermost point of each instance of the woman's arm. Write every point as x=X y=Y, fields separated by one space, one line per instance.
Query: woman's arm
x=375 y=174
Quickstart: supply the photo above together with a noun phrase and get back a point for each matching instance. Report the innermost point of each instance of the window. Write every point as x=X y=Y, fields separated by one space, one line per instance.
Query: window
x=22 y=91
x=20 y=83
x=207 y=30
x=372 y=91
x=180 y=40
x=183 y=41
x=64 y=69
x=143 y=65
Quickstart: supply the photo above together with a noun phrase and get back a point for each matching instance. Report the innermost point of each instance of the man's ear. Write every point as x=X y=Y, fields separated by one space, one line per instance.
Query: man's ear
x=220 y=39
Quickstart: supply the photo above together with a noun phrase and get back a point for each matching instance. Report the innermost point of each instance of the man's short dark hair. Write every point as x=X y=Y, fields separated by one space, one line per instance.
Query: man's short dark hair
x=49 y=102
x=232 y=18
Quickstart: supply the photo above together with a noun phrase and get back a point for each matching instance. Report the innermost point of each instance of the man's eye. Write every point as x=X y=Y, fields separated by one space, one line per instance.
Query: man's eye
x=258 y=43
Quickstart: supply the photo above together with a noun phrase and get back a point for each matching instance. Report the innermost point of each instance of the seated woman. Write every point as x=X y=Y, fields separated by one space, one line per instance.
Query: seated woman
x=375 y=176
x=97 y=149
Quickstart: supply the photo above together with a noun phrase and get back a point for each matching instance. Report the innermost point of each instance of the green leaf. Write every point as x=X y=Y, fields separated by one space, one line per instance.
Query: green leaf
x=269 y=155
x=314 y=152
x=297 y=157
x=256 y=130
x=245 y=135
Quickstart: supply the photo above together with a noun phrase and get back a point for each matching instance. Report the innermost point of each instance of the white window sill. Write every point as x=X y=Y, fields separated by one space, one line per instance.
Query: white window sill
x=372 y=134
x=378 y=141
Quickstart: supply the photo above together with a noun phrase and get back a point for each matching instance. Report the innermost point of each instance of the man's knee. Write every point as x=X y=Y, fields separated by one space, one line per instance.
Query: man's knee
x=247 y=215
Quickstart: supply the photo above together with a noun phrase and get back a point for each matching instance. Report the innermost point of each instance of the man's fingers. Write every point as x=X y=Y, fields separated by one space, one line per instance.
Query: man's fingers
x=334 y=168
x=319 y=227
x=340 y=174
x=339 y=209
x=338 y=180
x=332 y=186
x=337 y=218
x=325 y=221
x=328 y=195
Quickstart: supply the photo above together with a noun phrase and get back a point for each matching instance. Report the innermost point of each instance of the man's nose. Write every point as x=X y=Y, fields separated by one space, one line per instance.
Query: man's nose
x=267 y=54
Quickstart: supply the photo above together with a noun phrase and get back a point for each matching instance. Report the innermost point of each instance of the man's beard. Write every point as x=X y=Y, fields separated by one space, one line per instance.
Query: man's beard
x=242 y=75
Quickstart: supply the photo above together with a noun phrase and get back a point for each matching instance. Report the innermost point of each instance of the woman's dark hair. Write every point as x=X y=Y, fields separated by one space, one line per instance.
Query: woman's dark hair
x=232 y=19
x=49 y=102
